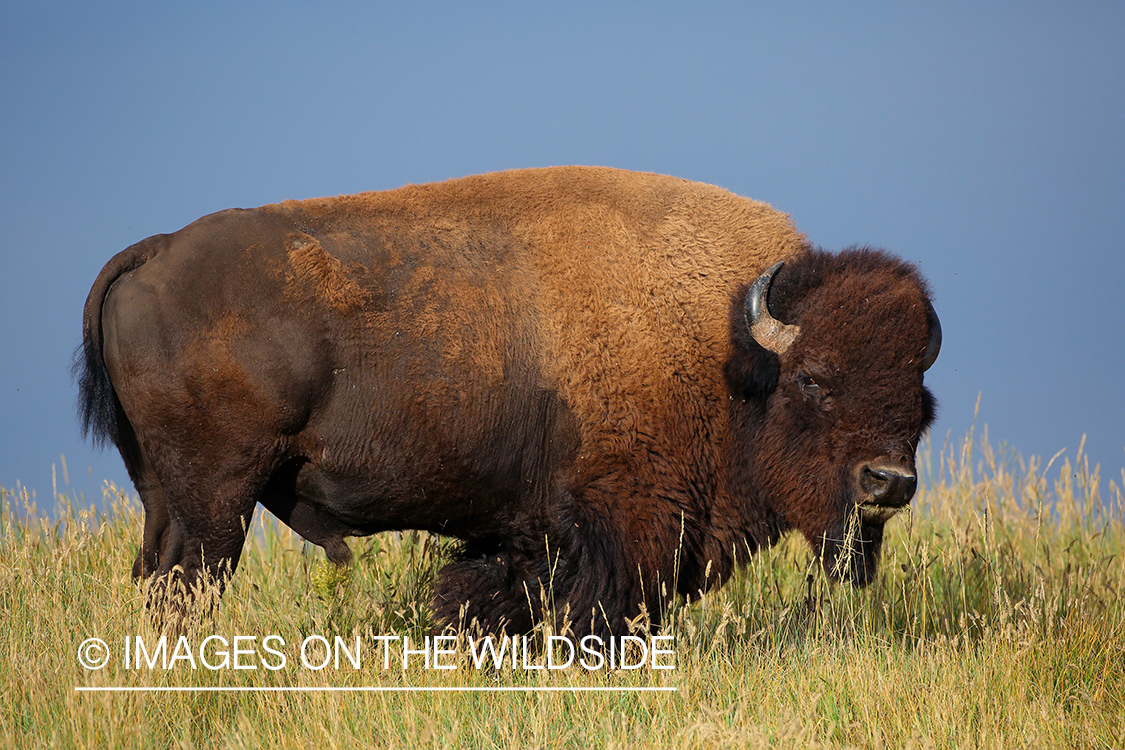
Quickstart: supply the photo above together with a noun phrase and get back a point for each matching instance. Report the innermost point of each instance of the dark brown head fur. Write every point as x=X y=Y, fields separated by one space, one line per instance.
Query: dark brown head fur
x=844 y=404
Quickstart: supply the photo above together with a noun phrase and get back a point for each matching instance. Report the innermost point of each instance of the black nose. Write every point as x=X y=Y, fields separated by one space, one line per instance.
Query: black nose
x=888 y=485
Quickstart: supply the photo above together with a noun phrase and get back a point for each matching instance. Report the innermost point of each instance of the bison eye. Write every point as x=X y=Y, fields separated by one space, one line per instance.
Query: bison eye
x=810 y=388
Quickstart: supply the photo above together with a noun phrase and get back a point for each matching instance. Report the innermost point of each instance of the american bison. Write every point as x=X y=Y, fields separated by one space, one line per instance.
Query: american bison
x=611 y=386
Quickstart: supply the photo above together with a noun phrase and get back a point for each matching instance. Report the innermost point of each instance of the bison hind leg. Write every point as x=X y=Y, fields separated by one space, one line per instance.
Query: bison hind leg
x=156 y=537
x=194 y=531
x=483 y=590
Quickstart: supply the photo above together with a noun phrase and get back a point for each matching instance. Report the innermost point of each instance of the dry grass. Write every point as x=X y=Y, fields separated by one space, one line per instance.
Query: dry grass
x=998 y=621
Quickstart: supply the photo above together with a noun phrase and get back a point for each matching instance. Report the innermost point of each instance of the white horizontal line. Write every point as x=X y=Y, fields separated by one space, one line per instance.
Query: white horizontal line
x=375 y=689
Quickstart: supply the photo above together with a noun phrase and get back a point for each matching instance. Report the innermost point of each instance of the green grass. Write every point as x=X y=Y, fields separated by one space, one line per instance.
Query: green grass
x=998 y=620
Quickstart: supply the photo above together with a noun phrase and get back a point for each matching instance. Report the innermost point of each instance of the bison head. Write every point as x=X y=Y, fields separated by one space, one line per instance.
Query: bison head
x=828 y=396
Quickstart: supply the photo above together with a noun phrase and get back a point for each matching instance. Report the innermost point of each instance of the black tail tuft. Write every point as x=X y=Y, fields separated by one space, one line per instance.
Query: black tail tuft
x=99 y=410
x=97 y=402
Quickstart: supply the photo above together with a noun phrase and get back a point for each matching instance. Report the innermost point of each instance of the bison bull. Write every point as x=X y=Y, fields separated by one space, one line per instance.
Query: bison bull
x=611 y=386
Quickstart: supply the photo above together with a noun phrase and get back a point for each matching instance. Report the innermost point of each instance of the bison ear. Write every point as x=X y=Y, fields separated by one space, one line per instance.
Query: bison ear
x=751 y=372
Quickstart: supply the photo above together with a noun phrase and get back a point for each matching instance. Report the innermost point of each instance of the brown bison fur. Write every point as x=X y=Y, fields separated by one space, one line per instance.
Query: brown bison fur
x=552 y=365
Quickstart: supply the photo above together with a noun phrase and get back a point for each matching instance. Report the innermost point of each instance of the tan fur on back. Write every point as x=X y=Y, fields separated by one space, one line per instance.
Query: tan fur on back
x=632 y=277
x=309 y=262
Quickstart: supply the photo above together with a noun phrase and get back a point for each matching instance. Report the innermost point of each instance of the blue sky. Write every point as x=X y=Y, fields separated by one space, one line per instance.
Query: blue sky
x=984 y=141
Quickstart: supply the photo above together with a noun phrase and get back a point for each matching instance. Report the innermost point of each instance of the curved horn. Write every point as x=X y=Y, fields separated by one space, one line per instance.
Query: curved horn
x=934 y=345
x=767 y=330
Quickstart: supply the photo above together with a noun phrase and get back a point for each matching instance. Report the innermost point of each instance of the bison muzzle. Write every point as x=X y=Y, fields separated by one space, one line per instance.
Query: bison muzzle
x=612 y=387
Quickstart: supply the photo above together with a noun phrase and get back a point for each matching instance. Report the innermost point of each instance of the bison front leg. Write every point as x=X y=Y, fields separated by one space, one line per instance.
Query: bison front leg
x=581 y=575
x=482 y=591
x=598 y=583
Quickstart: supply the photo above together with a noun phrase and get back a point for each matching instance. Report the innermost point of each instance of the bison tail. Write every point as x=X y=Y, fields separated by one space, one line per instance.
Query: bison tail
x=99 y=411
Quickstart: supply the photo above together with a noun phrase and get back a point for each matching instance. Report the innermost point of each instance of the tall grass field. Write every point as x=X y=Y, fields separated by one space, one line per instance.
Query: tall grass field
x=997 y=620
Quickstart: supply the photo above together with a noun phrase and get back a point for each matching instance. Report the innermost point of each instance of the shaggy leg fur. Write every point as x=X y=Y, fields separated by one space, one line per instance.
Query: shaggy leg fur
x=597 y=587
x=581 y=578
x=484 y=591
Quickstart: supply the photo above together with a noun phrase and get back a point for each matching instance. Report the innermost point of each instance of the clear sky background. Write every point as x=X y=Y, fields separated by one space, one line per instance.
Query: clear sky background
x=984 y=141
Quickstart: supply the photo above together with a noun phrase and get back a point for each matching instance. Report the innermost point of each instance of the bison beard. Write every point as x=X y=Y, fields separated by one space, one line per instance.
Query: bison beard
x=612 y=387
